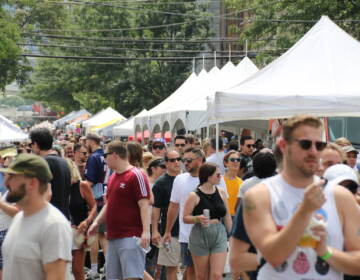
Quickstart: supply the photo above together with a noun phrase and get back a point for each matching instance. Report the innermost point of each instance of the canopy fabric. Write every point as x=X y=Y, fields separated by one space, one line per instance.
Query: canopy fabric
x=71 y=117
x=103 y=119
x=44 y=124
x=318 y=75
x=154 y=115
x=127 y=128
x=10 y=133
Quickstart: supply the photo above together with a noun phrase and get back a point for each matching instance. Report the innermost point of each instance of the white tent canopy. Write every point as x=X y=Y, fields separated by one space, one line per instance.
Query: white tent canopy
x=127 y=128
x=318 y=75
x=156 y=114
x=10 y=132
x=102 y=119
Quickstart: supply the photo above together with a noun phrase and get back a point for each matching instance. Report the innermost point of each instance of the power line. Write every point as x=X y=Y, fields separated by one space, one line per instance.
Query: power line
x=105 y=58
x=223 y=16
x=123 y=49
x=142 y=2
x=131 y=40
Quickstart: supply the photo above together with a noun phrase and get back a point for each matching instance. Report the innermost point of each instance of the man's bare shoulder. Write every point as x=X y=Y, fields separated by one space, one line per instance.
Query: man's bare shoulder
x=256 y=197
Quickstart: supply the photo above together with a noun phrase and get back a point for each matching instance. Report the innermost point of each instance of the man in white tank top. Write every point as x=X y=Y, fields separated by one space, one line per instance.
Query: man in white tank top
x=303 y=230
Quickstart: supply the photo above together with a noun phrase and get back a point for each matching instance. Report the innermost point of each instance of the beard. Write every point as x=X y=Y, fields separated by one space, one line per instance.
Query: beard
x=304 y=167
x=14 y=197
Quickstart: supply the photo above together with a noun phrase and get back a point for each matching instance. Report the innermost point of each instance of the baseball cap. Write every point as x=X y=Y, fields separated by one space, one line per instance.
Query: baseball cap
x=30 y=165
x=8 y=152
x=159 y=140
x=348 y=149
x=341 y=172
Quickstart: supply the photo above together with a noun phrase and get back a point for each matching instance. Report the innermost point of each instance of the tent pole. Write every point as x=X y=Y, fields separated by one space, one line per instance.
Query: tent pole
x=217 y=137
x=203 y=61
x=229 y=52
x=246 y=47
x=194 y=65
x=215 y=58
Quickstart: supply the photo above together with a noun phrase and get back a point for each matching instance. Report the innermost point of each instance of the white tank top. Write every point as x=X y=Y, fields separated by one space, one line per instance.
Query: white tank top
x=303 y=263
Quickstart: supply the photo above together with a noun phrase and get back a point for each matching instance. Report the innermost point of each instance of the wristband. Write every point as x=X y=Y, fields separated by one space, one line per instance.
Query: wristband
x=328 y=254
x=196 y=220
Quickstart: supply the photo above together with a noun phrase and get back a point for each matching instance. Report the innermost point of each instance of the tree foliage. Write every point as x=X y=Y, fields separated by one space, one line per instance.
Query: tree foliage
x=129 y=85
x=273 y=37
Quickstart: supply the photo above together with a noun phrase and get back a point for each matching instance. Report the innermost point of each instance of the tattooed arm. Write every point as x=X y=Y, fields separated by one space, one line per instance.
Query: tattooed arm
x=275 y=246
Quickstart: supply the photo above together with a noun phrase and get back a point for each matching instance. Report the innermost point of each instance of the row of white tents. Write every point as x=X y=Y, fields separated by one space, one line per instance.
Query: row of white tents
x=318 y=75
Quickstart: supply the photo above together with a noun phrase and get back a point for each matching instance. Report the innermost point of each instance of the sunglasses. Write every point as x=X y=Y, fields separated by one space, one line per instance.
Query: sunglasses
x=189 y=160
x=106 y=154
x=250 y=146
x=173 y=159
x=158 y=147
x=162 y=166
x=180 y=145
x=85 y=153
x=234 y=159
x=307 y=144
x=218 y=175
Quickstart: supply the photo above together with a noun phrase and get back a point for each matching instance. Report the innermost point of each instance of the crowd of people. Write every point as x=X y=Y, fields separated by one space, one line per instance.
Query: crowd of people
x=183 y=208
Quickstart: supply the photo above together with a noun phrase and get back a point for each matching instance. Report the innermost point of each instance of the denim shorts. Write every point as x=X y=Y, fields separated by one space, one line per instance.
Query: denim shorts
x=124 y=259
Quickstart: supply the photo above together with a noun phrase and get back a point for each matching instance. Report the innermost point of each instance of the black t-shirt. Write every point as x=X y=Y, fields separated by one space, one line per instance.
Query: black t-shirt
x=238 y=231
x=162 y=193
x=60 y=184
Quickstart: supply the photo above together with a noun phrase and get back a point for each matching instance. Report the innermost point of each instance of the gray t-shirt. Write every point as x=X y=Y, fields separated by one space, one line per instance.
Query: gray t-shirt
x=34 y=241
x=247 y=185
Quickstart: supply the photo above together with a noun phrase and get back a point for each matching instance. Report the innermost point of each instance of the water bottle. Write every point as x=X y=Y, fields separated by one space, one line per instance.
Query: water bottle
x=138 y=242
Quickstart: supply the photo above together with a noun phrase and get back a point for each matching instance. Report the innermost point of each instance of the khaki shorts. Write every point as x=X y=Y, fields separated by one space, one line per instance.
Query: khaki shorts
x=172 y=257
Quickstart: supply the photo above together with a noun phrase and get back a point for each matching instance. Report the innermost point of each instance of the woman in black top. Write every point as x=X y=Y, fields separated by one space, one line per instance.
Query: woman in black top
x=208 y=238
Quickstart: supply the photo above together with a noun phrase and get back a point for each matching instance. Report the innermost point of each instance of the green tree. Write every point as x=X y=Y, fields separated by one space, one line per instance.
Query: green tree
x=129 y=86
x=300 y=15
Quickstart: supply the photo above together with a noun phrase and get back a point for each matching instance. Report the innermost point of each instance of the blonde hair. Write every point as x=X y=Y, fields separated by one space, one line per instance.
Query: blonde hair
x=293 y=123
x=74 y=171
x=342 y=142
x=335 y=147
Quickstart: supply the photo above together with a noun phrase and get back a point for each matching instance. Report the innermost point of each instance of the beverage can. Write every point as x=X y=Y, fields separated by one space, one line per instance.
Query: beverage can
x=206 y=213
x=167 y=247
x=138 y=242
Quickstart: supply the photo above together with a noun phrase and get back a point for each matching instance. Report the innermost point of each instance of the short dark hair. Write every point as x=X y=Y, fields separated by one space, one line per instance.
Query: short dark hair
x=94 y=137
x=169 y=151
x=196 y=151
x=244 y=138
x=119 y=148
x=77 y=147
x=42 y=137
x=264 y=165
x=206 y=170
x=233 y=145
x=213 y=143
x=182 y=137
x=190 y=139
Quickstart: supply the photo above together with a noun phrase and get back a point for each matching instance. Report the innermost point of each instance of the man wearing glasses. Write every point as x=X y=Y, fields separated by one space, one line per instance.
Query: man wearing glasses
x=80 y=157
x=180 y=144
x=169 y=253
x=158 y=147
x=183 y=185
x=247 y=145
x=303 y=229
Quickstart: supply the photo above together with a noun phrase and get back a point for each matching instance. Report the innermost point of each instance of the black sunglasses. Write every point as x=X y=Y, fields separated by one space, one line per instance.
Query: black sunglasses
x=85 y=153
x=234 y=159
x=188 y=160
x=173 y=159
x=307 y=144
x=180 y=145
x=106 y=154
x=158 y=147
x=250 y=145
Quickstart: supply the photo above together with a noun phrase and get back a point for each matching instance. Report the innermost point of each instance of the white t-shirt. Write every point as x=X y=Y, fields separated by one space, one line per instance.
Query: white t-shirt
x=218 y=159
x=5 y=219
x=35 y=240
x=183 y=185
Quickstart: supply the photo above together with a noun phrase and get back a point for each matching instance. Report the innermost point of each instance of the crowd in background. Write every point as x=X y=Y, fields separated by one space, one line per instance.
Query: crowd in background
x=166 y=209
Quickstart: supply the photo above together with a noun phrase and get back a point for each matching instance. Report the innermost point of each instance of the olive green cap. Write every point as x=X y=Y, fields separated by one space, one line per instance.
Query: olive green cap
x=30 y=165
